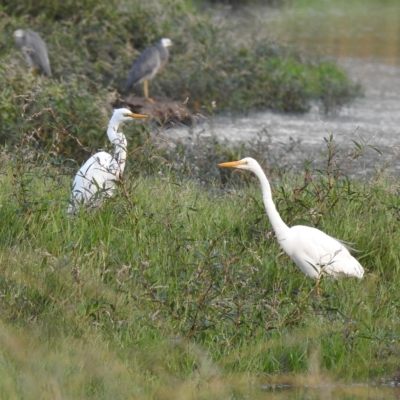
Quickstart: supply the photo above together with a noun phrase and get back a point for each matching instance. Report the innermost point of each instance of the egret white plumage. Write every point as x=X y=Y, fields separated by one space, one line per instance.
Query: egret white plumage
x=98 y=176
x=149 y=63
x=312 y=250
x=34 y=50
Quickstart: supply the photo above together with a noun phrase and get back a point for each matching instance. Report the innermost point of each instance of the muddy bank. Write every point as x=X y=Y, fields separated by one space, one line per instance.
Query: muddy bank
x=163 y=111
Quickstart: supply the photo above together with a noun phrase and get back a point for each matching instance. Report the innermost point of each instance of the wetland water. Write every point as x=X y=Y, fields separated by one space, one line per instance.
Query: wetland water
x=365 y=40
x=333 y=392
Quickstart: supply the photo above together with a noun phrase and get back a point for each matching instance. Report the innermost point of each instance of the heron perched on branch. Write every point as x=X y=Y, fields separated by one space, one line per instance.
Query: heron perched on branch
x=34 y=50
x=312 y=250
x=98 y=176
x=149 y=63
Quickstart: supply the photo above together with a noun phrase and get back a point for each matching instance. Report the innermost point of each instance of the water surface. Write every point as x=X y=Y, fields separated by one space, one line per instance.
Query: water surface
x=364 y=38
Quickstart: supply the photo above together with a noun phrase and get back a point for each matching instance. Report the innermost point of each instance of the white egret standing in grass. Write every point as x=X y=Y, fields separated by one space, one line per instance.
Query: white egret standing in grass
x=97 y=177
x=312 y=250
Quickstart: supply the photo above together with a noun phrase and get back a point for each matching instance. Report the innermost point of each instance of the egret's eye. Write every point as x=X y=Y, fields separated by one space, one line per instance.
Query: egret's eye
x=127 y=115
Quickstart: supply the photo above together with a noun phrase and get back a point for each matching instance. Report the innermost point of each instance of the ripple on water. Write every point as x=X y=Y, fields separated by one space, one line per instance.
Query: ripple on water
x=374 y=118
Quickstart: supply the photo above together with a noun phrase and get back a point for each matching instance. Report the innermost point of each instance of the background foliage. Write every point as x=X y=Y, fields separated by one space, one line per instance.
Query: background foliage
x=93 y=44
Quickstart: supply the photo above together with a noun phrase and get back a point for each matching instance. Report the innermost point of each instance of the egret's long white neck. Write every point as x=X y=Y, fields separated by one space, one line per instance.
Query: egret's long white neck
x=280 y=228
x=119 y=140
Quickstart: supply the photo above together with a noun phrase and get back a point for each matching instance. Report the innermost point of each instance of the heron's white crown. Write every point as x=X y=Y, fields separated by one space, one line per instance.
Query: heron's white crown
x=19 y=33
x=165 y=42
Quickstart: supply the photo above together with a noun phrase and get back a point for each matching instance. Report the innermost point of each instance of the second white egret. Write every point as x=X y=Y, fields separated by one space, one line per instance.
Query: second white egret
x=312 y=250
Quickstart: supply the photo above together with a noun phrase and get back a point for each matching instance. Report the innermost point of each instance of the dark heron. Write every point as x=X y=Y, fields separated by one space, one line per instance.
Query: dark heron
x=149 y=63
x=34 y=49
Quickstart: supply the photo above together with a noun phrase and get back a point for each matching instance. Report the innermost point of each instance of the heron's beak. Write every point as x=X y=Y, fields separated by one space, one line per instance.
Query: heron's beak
x=138 y=116
x=231 y=164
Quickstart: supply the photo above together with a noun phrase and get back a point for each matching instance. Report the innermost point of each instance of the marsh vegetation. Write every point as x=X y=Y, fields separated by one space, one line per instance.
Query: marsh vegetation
x=177 y=284
x=92 y=45
x=176 y=287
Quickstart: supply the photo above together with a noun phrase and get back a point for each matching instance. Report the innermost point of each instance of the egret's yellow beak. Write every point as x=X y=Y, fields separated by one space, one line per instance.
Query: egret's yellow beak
x=231 y=164
x=137 y=116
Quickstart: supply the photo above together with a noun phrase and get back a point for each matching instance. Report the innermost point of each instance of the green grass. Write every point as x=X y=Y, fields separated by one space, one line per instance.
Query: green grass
x=178 y=289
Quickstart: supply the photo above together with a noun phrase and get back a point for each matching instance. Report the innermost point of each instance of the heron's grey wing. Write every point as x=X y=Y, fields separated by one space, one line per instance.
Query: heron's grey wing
x=37 y=49
x=145 y=67
x=164 y=55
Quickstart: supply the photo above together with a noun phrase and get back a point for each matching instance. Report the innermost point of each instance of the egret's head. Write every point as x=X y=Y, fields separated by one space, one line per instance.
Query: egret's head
x=123 y=114
x=19 y=33
x=245 y=163
x=165 y=42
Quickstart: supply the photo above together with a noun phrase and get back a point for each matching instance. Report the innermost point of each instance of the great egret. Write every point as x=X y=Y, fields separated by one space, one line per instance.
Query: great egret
x=149 y=63
x=312 y=250
x=34 y=50
x=97 y=177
